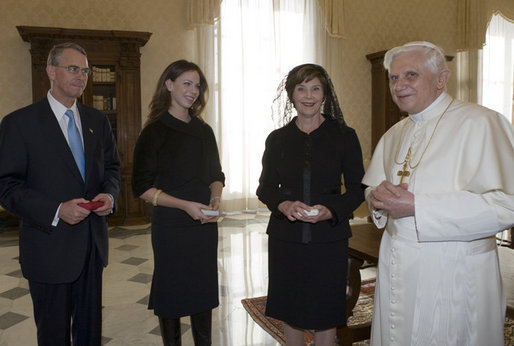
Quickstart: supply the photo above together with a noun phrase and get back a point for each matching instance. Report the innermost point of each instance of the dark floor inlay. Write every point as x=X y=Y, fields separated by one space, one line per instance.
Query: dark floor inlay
x=135 y=261
x=127 y=247
x=15 y=274
x=121 y=233
x=155 y=331
x=141 y=278
x=9 y=319
x=183 y=329
x=144 y=300
x=14 y=293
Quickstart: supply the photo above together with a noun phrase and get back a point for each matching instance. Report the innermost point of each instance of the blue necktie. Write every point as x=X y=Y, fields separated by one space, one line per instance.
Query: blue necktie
x=76 y=143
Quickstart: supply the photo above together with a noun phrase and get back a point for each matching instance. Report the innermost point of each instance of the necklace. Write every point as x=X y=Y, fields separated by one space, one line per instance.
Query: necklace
x=407 y=161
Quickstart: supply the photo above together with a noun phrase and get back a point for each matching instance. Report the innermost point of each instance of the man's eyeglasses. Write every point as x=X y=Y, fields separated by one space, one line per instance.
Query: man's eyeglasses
x=75 y=69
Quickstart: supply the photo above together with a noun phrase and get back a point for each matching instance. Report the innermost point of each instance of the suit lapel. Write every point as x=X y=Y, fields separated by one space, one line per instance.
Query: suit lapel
x=55 y=138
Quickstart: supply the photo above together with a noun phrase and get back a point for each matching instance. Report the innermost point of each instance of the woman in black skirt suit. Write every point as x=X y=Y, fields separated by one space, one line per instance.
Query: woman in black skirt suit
x=308 y=230
x=177 y=169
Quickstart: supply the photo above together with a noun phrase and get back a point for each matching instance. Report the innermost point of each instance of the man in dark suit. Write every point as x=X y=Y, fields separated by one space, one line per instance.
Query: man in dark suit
x=52 y=160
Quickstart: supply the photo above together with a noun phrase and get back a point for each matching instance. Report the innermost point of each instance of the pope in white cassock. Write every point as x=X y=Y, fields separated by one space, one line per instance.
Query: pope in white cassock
x=441 y=181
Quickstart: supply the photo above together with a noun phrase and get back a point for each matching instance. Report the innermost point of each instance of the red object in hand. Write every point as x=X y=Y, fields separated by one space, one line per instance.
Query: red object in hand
x=91 y=205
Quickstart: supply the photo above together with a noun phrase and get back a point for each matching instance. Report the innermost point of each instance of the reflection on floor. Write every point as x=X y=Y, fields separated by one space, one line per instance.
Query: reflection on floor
x=242 y=265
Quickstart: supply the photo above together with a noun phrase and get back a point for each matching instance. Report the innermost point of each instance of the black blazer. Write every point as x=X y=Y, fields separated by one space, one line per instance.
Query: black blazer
x=38 y=172
x=308 y=168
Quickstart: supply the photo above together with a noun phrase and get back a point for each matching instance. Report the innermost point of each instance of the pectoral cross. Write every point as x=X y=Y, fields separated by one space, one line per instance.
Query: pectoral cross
x=404 y=172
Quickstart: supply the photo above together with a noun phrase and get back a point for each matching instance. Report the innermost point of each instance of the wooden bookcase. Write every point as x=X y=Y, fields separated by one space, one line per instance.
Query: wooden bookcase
x=384 y=112
x=118 y=96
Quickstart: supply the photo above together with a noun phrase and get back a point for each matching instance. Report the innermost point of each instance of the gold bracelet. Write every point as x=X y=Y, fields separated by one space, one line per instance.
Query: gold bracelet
x=155 y=196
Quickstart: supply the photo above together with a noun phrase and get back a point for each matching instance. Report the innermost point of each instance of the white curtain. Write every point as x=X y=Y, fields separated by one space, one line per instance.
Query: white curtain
x=245 y=55
x=498 y=66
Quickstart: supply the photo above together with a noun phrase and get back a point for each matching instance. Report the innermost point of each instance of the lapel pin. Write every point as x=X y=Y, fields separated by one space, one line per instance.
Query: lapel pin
x=91 y=130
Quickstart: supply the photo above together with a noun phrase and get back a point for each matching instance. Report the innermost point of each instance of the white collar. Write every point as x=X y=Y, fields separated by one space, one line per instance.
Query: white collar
x=58 y=108
x=419 y=116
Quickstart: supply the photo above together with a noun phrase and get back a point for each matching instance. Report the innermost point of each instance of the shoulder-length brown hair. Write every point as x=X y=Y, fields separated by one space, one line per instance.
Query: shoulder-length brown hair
x=282 y=108
x=161 y=99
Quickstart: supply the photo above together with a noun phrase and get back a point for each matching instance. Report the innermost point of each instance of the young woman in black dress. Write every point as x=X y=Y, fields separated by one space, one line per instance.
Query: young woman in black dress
x=308 y=230
x=177 y=169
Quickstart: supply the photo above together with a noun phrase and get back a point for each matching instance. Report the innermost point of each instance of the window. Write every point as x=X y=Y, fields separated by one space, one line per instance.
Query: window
x=498 y=66
x=257 y=42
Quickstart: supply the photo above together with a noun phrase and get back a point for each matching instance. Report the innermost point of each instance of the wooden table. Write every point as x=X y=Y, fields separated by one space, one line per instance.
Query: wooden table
x=362 y=246
x=365 y=242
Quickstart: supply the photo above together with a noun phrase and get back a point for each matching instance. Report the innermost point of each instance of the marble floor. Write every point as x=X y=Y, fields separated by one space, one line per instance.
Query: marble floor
x=242 y=265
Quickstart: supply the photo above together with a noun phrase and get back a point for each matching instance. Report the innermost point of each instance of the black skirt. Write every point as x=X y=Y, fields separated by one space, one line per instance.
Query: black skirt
x=307 y=283
x=185 y=278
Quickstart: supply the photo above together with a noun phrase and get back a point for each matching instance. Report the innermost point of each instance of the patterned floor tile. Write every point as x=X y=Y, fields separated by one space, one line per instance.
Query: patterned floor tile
x=14 y=293
x=15 y=274
x=183 y=329
x=127 y=320
x=10 y=319
x=144 y=300
x=141 y=278
x=135 y=261
x=127 y=247
x=123 y=233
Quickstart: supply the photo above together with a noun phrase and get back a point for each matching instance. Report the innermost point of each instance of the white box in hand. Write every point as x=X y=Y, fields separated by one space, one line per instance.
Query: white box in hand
x=210 y=212
x=312 y=212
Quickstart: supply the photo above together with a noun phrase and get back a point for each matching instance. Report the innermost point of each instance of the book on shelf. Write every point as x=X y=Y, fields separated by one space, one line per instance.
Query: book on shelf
x=104 y=103
x=103 y=74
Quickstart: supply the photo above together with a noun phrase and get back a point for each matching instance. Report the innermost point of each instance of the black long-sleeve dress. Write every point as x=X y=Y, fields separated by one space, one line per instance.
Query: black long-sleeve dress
x=308 y=262
x=181 y=159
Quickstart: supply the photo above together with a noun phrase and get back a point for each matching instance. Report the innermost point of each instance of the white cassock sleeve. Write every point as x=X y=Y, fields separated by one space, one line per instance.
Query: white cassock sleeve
x=476 y=198
x=462 y=215
x=485 y=203
x=375 y=174
x=378 y=216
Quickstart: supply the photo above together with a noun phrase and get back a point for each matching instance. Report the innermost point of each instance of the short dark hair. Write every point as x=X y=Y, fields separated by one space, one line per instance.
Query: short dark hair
x=54 y=56
x=306 y=72
x=283 y=104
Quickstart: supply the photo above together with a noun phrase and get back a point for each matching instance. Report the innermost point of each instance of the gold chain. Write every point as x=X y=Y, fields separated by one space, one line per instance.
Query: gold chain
x=408 y=156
